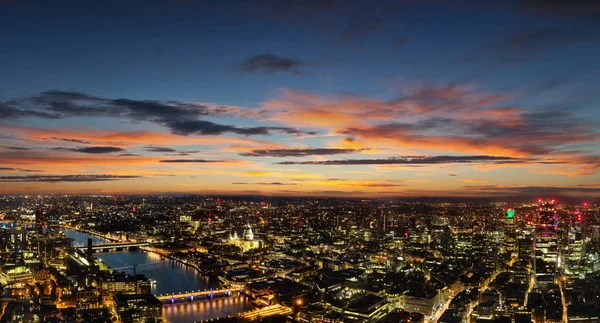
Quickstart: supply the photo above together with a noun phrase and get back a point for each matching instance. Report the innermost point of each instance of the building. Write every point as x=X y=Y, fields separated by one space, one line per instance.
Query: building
x=546 y=246
x=138 y=308
x=367 y=308
x=247 y=243
x=510 y=235
x=119 y=283
x=422 y=302
x=574 y=252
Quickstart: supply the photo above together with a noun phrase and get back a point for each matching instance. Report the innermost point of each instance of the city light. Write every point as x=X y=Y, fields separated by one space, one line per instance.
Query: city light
x=332 y=161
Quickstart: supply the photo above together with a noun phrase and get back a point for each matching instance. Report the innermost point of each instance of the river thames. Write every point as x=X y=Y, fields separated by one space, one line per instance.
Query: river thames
x=170 y=277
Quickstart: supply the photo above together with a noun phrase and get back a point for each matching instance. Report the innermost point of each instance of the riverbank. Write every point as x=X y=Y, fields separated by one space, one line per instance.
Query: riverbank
x=148 y=260
x=157 y=251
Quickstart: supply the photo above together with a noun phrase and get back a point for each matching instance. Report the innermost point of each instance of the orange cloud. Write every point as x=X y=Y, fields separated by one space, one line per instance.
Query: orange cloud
x=131 y=138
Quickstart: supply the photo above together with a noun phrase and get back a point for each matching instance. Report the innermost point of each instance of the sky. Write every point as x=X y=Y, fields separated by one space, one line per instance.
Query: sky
x=310 y=98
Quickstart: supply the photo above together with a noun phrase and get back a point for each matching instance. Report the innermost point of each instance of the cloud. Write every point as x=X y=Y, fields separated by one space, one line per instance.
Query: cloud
x=203 y=127
x=52 y=160
x=160 y=149
x=65 y=178
x=190 y=161
x=10 y=169
x=302 y=152
x=7 y=112
x=271 y=64
x=135 y=138
x=15 y=147
x=533 y=190
x=180 y=117
x=366 y=184
x=472 y=180
x=72 y=140
x=412 y=160
x=265 y=183
x=92 y=150
x=359 y=26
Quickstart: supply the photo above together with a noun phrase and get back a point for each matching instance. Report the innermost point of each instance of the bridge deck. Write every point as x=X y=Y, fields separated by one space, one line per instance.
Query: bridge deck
x=114 y=245
x=193 y=293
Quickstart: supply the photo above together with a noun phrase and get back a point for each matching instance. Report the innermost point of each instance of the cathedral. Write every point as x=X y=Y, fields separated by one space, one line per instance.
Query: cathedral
x=247 y=241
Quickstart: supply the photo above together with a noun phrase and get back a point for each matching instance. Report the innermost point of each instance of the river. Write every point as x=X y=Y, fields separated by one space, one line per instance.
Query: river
x=171 y=277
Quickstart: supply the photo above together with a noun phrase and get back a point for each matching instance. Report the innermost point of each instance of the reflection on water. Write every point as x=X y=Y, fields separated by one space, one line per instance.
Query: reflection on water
x=205 y=310
x=170 y=276
x=81 y=238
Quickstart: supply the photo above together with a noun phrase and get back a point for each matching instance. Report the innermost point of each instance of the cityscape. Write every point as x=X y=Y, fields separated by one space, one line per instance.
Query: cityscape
x=101 y=258
x=299 y=161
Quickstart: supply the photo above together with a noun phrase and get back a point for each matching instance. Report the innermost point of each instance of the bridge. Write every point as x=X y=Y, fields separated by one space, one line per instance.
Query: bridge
x=113 y=246
x=253 y=315
x=197 y=295
x=140 y=265
x=266 y=311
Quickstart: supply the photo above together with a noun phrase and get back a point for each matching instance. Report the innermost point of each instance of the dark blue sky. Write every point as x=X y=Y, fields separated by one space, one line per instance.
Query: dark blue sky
x=536 y=56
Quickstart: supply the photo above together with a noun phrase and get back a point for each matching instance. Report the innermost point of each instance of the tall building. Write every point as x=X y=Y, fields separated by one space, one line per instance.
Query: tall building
x=574 y=252
x=510 y=234
x=41 y=220
x=546 y=249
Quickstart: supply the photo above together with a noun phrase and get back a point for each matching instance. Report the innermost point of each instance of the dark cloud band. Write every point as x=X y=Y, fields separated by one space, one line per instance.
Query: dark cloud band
x=298 y=152
x=65 y=178
x=413 y=160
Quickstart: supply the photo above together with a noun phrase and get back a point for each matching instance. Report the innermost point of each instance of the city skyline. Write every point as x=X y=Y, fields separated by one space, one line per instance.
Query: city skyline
x=310 y=98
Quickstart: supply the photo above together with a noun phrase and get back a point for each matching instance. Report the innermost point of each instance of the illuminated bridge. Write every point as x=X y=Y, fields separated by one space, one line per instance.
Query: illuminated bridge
x=266 y=311
x=197 y=295
x=255 y=314
x=113 y=246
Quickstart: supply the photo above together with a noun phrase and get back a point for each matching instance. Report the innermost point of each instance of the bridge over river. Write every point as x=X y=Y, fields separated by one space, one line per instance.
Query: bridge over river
x=113 y=246
x=171 y=278
x=198 y=295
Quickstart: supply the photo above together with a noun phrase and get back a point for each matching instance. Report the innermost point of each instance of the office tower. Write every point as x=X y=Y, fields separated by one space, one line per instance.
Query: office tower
x=574 y=252
x=546 y=256
x=41 y=220
x=510 y=237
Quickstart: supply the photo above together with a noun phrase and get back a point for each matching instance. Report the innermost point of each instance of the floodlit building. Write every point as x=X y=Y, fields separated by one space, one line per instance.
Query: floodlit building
x=546 y=256
x=247 y=243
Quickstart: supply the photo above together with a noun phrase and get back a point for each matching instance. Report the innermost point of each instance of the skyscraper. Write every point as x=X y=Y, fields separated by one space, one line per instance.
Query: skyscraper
x=546 y=247
x=510 y=232
x=574 y=252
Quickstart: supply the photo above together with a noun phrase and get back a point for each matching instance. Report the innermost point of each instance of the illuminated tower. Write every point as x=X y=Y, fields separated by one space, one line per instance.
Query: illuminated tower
x=574 y=253
x=546 y=258
x=510 y=238
x=41 y=220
